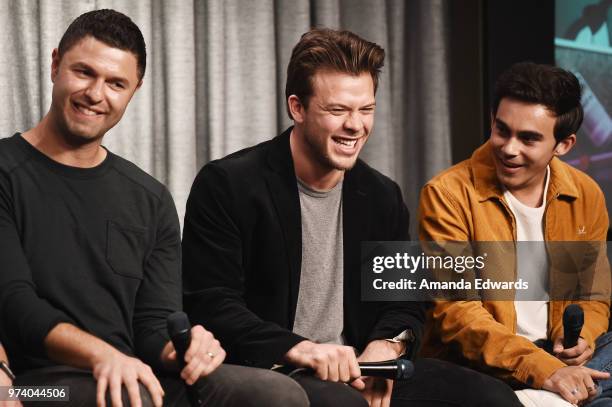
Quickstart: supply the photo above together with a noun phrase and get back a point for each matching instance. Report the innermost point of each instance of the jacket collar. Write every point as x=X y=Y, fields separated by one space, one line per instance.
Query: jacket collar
x=282 y=184
x=279 y=156
x=488 y=186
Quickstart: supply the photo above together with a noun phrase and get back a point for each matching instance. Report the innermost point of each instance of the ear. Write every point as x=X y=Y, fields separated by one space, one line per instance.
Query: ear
x=296 y=108
x=55 y=62
x=565 y=145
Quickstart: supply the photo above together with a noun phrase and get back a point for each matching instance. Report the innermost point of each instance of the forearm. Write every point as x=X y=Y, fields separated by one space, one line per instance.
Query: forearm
x=386 y=349
x=27 y=318
x=470 y=328
x=72 y=346
x=247 y=338
x=395 y=319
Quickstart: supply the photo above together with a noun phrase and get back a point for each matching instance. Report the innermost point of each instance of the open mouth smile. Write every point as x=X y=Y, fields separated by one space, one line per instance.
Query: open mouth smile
x=509 y=167
x=84 y=110
x=348 y=142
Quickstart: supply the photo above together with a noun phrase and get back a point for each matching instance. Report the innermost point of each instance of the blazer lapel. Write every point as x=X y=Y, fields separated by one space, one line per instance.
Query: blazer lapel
x=284 y=193
x=356 y=210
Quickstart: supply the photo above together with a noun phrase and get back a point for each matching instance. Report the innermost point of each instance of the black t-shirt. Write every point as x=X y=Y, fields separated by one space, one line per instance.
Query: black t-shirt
x=96 y=247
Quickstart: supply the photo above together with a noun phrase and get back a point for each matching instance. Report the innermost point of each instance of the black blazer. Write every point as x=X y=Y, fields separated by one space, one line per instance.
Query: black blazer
x=242 y=253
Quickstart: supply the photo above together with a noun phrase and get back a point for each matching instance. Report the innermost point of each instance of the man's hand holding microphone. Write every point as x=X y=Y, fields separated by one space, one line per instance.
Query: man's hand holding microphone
x=575 y=382
x=338 y=363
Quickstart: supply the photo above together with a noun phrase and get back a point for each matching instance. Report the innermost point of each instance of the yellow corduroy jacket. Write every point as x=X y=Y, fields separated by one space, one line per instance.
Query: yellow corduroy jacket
x=465 y=203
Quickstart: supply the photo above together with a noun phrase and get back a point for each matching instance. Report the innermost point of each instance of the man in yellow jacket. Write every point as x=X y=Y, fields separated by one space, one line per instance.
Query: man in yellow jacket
x=515 y=188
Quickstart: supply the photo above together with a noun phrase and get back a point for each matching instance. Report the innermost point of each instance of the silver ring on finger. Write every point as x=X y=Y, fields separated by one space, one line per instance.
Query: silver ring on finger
x=212 y=355
x=574 y=391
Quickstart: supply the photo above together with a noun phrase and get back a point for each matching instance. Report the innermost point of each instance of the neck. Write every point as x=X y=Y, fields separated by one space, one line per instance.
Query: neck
x=47 y=138
x=308 y=168
x=533 y=195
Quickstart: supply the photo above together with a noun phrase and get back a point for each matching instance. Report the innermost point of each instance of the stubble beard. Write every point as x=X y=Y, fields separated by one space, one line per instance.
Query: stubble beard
x=74 y=137
x=318 y=151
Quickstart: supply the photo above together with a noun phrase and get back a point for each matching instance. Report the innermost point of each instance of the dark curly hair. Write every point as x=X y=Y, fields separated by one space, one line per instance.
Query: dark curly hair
x=555 y=88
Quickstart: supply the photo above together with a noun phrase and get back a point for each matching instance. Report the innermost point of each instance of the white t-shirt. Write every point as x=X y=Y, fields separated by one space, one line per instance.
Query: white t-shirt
x=532 y=266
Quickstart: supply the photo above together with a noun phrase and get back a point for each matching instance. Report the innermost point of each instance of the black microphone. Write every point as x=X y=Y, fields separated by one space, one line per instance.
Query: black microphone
x=573 y=319
x=179 y=329
x=395 y=369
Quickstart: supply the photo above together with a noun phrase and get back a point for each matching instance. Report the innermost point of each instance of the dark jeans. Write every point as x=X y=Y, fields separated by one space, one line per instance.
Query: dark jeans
x=227 y=386
x=602 y=360
x=435 y=383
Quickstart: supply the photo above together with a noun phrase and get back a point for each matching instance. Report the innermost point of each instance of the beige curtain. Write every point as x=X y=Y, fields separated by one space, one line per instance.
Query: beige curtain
x=216 y=72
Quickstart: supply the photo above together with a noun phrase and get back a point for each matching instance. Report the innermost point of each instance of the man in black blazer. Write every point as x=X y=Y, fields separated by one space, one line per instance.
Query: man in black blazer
x=271 y=245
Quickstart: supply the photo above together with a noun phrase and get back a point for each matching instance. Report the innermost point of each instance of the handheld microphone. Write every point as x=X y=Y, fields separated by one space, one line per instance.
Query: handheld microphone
x=179 y=329
x=573 y=319
x=395 y=369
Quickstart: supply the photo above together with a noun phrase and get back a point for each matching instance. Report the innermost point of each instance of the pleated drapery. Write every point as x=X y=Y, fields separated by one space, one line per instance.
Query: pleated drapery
x=216 y=76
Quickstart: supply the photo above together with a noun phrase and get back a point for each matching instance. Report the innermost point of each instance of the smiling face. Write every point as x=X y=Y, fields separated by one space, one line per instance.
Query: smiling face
x=337 y=122
x=523 y=143
x=92 y=86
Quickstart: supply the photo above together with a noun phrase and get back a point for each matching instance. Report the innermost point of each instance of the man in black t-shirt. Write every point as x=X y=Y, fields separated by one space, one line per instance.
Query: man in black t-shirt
x=90 y=248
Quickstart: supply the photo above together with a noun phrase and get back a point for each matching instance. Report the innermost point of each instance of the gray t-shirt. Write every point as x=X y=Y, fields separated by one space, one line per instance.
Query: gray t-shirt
x=320 y=312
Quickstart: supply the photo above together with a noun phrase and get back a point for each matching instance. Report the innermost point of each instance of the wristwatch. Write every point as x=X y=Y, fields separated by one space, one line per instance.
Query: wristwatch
x=404 y=338
x=6 y=369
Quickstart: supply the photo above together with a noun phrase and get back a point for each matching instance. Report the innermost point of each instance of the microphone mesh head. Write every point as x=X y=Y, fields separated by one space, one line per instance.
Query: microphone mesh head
x=405 y=369
x=177 y=322
x=573 y=316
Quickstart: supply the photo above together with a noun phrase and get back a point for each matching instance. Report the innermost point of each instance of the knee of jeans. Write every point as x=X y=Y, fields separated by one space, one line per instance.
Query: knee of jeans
x=273 y=390
x=333 y=394
x=145 y=397
x=601 y=402
x=291 y=394
x=348 y=398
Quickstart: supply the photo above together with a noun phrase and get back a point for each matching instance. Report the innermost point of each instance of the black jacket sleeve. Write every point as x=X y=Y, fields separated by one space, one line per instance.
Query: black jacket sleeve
x=214 y=276
x=396 y=317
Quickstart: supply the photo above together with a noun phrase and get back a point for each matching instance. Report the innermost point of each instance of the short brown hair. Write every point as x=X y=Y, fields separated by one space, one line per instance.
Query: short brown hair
x=110 y=27
x=326 y=49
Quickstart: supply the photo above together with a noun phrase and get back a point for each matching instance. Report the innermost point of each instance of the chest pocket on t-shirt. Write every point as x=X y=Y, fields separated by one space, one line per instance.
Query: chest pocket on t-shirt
x=125 y=247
